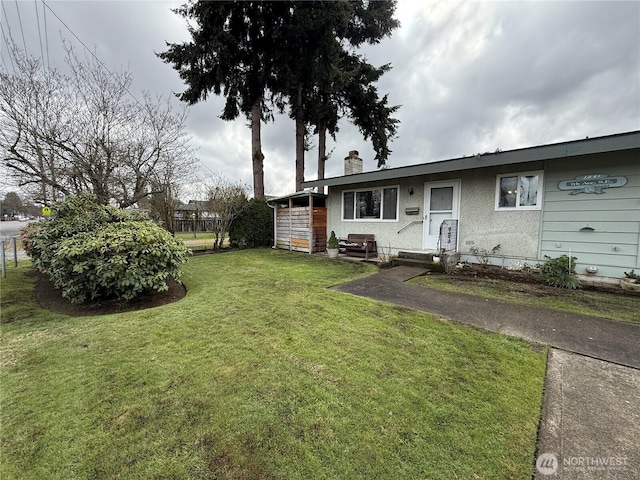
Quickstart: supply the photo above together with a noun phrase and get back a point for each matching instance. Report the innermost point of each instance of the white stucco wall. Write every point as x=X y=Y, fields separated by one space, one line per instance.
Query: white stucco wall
x=483 y=227
x=386 y=232
x=479 y=224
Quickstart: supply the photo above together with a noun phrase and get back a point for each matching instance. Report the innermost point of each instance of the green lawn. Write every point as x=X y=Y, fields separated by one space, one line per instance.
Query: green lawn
x=622 y=307
x=201 y=242
x=198 y=235
x=262 y=372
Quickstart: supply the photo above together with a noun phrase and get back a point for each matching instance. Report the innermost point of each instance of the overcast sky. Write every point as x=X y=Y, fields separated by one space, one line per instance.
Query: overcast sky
x=470 y=76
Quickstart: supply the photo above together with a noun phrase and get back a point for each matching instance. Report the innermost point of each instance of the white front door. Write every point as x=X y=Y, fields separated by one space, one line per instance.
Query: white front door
x=441 y=202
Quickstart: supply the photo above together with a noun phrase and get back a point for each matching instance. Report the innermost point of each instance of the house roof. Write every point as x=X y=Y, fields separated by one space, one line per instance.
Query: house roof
x=587 y=146
x=296 y=195
x=193 y=206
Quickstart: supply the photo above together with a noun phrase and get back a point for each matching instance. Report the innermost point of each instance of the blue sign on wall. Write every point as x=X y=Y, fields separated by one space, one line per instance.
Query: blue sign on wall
x=594 y=183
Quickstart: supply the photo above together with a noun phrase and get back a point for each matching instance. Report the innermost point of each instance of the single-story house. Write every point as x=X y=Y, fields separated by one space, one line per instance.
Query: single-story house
x=578 y=198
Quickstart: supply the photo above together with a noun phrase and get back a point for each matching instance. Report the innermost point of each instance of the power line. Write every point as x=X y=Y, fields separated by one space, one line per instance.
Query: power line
x=35 y=4
x=6 y=41
x=21 y=30
x=8 y=27
x=93 y=54
x=46 y=35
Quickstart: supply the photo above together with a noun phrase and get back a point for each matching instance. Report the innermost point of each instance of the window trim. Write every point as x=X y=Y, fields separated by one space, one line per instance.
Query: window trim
x=519 y=175
x=381 y=220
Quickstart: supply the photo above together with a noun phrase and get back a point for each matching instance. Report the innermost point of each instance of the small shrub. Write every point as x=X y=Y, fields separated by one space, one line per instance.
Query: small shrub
x=632 y=276
x=560 y=272
x=483 y=255
x=333 y=241
x=254 y=226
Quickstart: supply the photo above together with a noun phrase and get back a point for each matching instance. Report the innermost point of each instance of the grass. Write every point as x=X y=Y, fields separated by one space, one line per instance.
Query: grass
x=262 y=372
x=199 y=235
x=201 y=243
x=623 y=308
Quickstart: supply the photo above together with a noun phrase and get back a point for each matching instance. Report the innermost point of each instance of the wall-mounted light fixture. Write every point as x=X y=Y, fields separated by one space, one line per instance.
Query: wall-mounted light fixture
x=410 y=190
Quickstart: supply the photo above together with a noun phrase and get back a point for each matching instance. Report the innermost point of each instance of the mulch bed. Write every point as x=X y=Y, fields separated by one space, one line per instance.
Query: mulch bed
x=50 y=298
x=494 y=272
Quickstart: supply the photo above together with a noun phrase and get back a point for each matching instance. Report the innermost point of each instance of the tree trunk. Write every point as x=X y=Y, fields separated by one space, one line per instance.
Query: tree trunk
x=300 y=134
x=322 y=148
x=256 y=148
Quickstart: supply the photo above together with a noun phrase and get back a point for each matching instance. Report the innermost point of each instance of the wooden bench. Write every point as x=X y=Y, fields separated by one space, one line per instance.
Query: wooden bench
x=359 y=245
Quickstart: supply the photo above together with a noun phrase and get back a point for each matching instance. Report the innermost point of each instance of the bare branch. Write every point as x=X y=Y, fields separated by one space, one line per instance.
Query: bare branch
x=83 y=131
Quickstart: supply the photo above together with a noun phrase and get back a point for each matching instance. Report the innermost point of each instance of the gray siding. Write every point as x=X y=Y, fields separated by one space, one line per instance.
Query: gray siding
x=613 y=245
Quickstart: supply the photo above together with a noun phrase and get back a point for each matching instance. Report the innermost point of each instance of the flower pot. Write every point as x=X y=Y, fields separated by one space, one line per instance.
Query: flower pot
x=629 y=284
x=332 y=252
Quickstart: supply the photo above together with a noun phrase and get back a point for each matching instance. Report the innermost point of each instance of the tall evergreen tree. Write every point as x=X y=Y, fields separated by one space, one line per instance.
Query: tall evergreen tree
x=301 y=54
x=352 y=93
x=231 y=53
x=321 y=88
x=370 y=113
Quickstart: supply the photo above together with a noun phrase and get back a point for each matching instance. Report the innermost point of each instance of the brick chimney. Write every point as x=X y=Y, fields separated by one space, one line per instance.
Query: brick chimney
x=352 y=163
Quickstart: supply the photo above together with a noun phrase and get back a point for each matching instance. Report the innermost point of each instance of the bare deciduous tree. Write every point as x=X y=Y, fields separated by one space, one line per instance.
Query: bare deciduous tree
x=83 y=131
x=225 y=200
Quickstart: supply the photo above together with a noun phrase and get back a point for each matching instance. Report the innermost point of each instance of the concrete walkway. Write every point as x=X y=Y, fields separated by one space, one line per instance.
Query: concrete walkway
x=590 y=428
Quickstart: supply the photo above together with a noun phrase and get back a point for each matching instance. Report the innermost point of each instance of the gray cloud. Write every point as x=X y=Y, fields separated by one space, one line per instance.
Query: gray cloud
x=470 y=76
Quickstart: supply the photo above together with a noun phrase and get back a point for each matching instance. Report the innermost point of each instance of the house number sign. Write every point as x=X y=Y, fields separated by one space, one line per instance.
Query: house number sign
x=594 y=183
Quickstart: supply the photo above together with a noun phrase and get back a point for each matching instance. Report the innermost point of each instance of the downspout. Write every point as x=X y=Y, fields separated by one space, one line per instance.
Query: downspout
x=275 y=226
x=290 y=223
x=311 y=239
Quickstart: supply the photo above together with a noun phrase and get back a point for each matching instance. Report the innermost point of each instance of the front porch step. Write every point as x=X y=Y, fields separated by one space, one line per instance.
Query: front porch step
x=413 y=262
x=415 y=259
x=424 y=259
x=422 y=256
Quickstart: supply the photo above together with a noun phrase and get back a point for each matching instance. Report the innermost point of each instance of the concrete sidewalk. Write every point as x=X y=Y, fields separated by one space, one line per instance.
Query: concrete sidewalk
x=590 y=427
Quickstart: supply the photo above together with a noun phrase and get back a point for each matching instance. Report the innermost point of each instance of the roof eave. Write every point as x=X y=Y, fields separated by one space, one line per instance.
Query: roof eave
x=574 y=148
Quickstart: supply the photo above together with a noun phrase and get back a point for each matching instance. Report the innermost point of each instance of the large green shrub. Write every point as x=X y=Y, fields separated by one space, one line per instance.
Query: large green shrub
x=93 y=251
x=75 y=215
x=254 y=226
x=560 y=272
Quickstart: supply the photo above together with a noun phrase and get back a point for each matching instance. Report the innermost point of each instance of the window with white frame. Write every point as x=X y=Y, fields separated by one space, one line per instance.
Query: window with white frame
x=519 y=191
x=370 y=204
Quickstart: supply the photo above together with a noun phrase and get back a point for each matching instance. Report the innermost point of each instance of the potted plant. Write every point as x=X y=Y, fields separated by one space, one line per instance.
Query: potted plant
x=439 y=256
x=333 y=245
x=631 y=281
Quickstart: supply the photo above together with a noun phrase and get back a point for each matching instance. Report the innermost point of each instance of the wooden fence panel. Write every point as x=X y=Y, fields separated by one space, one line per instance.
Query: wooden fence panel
x=201 y=225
